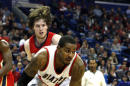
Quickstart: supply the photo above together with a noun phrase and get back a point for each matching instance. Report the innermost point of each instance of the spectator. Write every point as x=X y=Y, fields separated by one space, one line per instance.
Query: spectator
x=84 y=50
x=108 y=64
x=25 y=62
x=101 y=50
x=15 y=74
x=114 y=83
x=124 y=81
x=116 y=45
x=113 y=57
x=92 y=53
x=102 y=66
x=128 y=12
x=97 y=11
x=105 y=56
x=112 y=74
x=18 y=59
x=122 y=71
x=14 y=51
x=77 y=42
x=93 y=77
x=97 y=48
x=21 y=42
x=19 y=68
x=128 y=74
x=23 y=54
x=106 y=44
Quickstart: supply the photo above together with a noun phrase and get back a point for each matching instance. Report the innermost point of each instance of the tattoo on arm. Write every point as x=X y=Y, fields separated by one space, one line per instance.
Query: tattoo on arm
x=32 y=68
x=7 y=58
x=77 y=73
x=37 y=63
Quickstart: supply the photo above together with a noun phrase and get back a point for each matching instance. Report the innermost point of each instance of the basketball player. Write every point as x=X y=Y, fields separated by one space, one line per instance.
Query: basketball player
x=54 y=64
x=40 y=20
x=6 y=76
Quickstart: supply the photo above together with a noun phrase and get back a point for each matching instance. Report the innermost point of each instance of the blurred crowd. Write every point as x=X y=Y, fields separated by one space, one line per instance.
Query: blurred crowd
x=118 y=1
x=99 y=33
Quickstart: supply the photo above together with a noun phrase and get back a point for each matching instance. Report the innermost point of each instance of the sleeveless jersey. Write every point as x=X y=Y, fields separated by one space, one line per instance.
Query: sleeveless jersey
x=31 y=48
x=7 y=80
x=49 y=76
x=32 y=45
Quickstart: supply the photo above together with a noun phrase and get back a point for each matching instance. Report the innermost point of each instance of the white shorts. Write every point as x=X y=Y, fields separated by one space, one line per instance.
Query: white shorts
x=33 y=82
x=66 y=82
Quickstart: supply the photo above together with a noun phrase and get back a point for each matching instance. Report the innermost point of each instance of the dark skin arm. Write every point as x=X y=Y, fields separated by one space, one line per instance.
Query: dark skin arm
x=37 y=63
x=7 y=58
x=77 y=72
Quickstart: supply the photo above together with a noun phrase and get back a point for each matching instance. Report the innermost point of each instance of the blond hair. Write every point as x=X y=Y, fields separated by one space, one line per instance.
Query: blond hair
x=40 y=13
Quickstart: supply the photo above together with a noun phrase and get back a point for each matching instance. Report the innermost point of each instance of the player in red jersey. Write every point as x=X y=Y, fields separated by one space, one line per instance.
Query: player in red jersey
x=40 y=20
x=6 y=76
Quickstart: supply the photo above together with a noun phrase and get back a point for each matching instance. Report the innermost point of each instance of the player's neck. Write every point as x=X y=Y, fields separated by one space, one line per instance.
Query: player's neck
x=94 y=71
x=40 y=40
x=58 y=63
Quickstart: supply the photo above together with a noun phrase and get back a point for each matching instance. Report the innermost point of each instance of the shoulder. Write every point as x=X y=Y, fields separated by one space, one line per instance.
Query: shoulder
x=79 y=62
x=77 y=72
x=42 y=51
x=87 y=72
x=26 y=42
x=4 y=44
x=40 y=58
x=99 y=72
x=56 y=38
x=78 y=67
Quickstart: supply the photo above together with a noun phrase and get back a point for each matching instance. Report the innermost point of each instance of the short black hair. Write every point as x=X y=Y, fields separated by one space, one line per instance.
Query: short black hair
x=66 y=39
x=91 y=59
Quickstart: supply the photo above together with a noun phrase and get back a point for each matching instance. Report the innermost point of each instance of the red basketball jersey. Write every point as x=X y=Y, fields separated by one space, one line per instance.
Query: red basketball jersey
x=34 y=49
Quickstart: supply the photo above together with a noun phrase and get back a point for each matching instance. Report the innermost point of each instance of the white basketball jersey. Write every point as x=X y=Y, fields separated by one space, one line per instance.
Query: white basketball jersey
x=49 y=75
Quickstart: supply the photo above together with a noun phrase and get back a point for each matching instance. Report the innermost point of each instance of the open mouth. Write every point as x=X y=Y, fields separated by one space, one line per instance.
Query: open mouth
x=40 y=33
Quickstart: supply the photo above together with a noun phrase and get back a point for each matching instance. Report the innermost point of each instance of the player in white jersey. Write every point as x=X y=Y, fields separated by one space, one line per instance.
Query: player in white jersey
x=54 y=64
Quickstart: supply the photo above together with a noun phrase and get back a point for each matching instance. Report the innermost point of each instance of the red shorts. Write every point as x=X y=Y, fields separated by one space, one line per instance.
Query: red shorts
x=7 y=80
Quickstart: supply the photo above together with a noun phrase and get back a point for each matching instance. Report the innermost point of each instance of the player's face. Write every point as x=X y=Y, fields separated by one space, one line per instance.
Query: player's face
x=40 y=28
x=67 y=53
x=92 y=65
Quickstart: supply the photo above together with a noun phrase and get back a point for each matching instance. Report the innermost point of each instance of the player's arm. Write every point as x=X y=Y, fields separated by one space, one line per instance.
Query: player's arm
x=27 y=50
x=77 y=72
x=7 y=58
x=37 y=63
x=55 y=39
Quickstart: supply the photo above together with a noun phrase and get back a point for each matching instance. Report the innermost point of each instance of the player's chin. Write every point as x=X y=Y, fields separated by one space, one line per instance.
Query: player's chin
x=41 y=36
x=67 y=62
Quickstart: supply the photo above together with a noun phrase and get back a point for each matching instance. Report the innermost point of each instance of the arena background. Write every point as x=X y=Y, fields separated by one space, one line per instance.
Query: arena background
x=100 y=27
